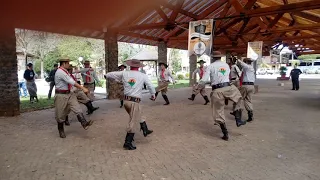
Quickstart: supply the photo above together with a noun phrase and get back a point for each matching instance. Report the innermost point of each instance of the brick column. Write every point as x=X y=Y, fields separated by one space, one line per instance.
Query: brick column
x=111 y=62
x=192 y=67
x=10 y=102
x=162 y=52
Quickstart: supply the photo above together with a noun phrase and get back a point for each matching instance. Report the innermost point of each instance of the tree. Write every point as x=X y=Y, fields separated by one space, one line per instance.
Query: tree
x=175 y=59
x=309 y=56
x=25 y=41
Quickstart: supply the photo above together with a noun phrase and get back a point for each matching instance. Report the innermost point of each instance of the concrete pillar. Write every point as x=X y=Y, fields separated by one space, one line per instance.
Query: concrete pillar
x=192 y=67
x=10 y=102
x=111 y=62
x=162 y=52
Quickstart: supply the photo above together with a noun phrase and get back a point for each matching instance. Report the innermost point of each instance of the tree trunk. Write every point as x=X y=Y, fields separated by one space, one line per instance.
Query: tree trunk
x=41 y=70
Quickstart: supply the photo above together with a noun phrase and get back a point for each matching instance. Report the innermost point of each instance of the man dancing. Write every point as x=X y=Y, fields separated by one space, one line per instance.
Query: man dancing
x=64 y=100
x=89 y=77
x=163 y=82
x=199 y=88
x=218 y=74
x=133 y=81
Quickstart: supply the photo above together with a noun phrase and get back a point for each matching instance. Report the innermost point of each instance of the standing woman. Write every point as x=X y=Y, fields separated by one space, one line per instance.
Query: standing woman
x=29 y=76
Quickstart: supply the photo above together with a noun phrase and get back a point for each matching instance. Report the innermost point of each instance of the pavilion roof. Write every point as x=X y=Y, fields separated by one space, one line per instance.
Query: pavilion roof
x=292 y=22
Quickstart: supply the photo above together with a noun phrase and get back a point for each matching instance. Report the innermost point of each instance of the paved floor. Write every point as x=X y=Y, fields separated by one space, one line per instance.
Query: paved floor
x=282 y=144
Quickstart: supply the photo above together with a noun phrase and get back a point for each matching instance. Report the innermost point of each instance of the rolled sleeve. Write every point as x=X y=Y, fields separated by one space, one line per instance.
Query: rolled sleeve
x=117 y=76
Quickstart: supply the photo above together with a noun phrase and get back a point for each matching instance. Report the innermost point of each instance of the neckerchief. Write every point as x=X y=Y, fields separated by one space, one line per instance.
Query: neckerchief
x=162 y=73
x=88 y=77
x=201 y=72
x=69 y=85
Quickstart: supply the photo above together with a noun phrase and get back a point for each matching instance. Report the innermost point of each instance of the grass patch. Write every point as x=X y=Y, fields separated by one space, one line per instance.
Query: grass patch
x=44 y=103
x=179 y=84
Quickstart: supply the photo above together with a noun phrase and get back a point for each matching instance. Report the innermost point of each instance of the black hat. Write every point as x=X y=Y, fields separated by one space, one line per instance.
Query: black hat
x=122 y=65
x=165 y=65
x=201 y=61
x=29 y=64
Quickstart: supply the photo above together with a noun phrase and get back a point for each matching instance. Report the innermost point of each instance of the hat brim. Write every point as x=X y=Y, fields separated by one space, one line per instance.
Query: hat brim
x=201 y=61
x=131 y=64
x=165 y=65
x=64 y=60
x=122 y=66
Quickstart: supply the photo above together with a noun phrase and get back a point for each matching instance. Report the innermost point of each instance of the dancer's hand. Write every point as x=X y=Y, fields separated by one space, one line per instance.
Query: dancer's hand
x=153 y=98
x=85 y=90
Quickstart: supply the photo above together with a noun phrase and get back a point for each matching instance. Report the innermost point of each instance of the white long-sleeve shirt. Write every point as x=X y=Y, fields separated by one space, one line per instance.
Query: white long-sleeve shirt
x=248 y=72
x=62 y=79
x=167 y=75
x=235 y=72
x=216 y=73
x=88 y=75
x=133 y=82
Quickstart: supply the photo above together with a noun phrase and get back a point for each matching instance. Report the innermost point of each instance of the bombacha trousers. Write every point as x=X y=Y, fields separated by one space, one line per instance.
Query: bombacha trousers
x=135 y=114
x=64 y=103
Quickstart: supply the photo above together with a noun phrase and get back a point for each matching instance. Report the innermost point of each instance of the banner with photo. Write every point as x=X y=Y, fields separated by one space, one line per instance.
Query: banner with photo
x=200 y=37
x=255 y=50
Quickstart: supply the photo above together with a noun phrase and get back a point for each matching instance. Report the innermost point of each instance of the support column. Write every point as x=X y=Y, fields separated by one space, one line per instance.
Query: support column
x=162 y=52
x=10 y=102
x=192 y=66
x=111 y=62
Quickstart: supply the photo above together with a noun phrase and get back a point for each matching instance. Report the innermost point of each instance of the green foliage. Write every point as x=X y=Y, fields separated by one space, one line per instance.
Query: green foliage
x=187 y=75
x=73 y=48
x=309 y=56
x=175 y=59
x=180 y=76
x=283 y=70
x=43 y=103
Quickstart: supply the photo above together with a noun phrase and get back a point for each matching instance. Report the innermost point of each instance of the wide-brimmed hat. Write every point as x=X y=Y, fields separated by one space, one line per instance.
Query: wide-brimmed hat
x=165 y=65
x=71 y=67
x=122 y=65
x=247 y=60
x=29 y=64
x=64 y=60
x=201 y=61
x=134 y=63
x=86 y=62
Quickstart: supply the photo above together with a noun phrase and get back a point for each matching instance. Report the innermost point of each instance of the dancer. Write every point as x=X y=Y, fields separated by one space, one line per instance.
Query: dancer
x=133 y=81
x=64 y=100
x=199 y=88
x=89 y=77
x=247 y=88
x=163 y=82
x=218 y=74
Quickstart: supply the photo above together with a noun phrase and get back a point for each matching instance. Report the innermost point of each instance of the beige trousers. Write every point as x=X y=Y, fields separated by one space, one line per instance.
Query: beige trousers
x=217 y=101
x=90 y=87
x=247 y=91
x=135 y=114
x=163 y=87
x=199 y=88
x=81 y=96
x=64 y=103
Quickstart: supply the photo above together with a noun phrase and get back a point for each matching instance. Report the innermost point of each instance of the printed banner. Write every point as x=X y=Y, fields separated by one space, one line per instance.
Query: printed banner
x=255 y=50
x=200 y=37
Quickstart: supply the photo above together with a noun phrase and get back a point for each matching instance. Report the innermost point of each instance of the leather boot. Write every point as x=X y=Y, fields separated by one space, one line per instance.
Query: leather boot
x=165 y=97
x=226 y=102
x=224 y=131
x=128 y=142
x=250 y=116
x=90 y=108
x=61 y=130
x=121 y=103
x=206 y=99
x=238 y=115
x=66 y=122
x=145 y=129
x=192 y=97
x=85 y=124
x=155 y=96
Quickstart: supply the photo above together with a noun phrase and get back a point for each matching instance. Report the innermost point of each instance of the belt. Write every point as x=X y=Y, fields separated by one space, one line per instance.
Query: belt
x=233 y=79
x=58 y=91
x=88 y=83
x=221 y=85
x=247 y=83
x=133 y=99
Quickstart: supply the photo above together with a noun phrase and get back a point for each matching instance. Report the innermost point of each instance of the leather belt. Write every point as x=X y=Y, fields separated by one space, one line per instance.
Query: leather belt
x=133 y=99
x=233 y=79
x=58 y=91
x=221 y=85
x=247 y=83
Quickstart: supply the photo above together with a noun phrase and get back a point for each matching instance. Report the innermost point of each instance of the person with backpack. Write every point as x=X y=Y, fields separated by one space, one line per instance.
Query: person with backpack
x=51 y=79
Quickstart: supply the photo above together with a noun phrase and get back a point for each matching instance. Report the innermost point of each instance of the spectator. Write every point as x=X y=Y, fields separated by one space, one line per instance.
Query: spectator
x=22 y=83
x=294 y=74
x=51 y=79
x=29 y=76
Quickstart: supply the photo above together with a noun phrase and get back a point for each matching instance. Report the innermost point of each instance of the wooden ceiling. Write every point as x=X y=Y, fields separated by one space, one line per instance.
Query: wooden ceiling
x=295 y=23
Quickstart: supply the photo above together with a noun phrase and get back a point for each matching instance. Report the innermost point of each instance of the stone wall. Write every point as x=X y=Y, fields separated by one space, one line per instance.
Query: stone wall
x=193 y=66
x=10 y=102
x=111 y=62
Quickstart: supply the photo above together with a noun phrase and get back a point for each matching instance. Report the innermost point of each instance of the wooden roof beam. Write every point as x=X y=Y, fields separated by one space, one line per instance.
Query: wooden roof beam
x=176 y=11
x=136 y=35
x=237 y=6
x=144 y=26
x=307 y=16
x=181 y=11
x=162 y=14
x=223 y=14
x=275 y=20
x=212 y=8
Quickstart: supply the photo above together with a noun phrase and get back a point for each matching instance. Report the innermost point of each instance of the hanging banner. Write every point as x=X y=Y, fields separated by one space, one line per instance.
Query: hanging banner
x=200 y=37
x=255 y=50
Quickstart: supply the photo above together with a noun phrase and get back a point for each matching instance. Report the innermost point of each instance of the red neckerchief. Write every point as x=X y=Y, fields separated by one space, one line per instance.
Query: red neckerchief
x=201 y=72
x=73 y=77
x=69 y=85
x=162 y=73
x=88 y=77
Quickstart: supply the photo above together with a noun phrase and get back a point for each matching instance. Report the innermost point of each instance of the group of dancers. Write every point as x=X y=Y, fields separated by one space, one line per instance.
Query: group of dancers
x=223 y=80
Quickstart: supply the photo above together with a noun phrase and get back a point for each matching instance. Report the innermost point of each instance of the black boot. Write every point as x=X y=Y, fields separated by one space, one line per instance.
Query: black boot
x=226 y=102
x=250 y=116
x=90 y=108
x=66 y=122
x=165 y=97
x=37 y=100
x=85 y=124
x=121 y=103
x=145 y=129
x=206 y=99
x=192 y=97
x=61 y=130
x=128 y=142
x=224 y=131
x=155 y=96
x=238 y=115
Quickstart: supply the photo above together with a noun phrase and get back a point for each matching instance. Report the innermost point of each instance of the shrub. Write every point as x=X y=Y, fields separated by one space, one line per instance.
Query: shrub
x=187 y=75
x=180 y=76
